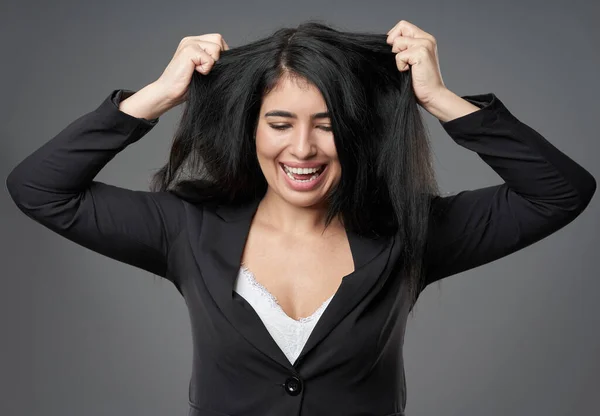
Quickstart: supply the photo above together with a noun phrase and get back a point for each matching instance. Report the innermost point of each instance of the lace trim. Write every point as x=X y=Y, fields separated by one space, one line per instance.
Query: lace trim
x=273 y=300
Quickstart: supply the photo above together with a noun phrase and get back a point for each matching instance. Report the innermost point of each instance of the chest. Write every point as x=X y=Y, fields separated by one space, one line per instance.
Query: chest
x=301 y=273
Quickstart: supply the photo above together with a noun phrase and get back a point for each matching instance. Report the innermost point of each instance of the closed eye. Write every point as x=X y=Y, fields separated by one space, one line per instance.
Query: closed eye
x=279 y=126
x=286 y=126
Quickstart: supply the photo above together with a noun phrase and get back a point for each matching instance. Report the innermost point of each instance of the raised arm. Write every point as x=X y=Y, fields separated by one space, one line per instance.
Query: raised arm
x=55 y=186
x=543 y=191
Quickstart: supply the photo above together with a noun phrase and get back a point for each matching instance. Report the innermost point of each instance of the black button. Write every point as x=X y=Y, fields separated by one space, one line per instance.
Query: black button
x=293 y=386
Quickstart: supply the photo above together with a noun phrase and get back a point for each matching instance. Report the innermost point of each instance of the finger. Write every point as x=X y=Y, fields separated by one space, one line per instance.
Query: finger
x=405 y=28
x=225 y=45
x=212 y=37
x=215 y=38
x=211 y=48
x=407 y=58
x=400 y=29
x=202 y=60
x=395 y=26
x=402 y=43
x=220 y=42
x=402 y=62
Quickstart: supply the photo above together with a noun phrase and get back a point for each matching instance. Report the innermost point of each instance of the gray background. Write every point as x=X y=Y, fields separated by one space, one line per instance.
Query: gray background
x=82 y=334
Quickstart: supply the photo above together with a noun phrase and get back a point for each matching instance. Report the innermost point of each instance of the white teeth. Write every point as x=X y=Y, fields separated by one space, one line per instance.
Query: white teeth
x=312 y=178
x=289 y=171
x=303 y=171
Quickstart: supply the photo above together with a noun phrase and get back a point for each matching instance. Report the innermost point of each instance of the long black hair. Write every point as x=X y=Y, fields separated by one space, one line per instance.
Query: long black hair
x=387 y=178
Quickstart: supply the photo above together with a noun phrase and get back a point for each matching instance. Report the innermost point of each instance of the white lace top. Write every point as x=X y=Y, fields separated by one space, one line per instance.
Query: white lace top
x=290 y=334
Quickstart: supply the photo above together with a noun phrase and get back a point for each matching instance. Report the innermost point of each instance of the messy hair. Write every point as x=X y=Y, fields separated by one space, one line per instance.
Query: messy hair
x=387 y=179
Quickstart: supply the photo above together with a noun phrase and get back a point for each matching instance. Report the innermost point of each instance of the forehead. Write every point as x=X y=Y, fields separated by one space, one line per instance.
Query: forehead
x=294 y=94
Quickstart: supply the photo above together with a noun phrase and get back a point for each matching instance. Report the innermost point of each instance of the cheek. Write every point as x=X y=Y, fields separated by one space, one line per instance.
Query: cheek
x=267 y=146
x=267 y=150
x=328 y=147
x=330 y=150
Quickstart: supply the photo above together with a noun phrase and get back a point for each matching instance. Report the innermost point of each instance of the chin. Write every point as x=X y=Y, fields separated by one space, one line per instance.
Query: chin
x=304 y=201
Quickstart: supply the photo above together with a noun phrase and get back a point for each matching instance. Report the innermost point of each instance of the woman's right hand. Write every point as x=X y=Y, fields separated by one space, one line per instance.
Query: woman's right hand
x=194 y=53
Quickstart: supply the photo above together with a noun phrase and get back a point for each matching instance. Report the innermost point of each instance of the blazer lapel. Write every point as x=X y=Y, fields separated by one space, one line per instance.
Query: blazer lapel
x=218 y=250
x=370 y=258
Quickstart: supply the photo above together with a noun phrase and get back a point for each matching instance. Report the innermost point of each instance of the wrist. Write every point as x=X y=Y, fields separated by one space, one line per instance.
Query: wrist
x=149 y=103
x=447 y=106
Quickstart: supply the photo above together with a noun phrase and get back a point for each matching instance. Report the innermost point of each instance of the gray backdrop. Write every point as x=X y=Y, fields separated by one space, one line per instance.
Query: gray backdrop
x=83 y=334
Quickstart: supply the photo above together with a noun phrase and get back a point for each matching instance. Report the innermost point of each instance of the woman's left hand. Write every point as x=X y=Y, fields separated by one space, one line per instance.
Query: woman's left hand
x=417 y=49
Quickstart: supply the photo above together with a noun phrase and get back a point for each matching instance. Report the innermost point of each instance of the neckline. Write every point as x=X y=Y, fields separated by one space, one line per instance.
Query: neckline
x=248 y=273
x=362 y=248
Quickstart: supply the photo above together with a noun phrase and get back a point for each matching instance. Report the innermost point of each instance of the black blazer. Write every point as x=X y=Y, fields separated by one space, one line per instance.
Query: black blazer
x=352 y=363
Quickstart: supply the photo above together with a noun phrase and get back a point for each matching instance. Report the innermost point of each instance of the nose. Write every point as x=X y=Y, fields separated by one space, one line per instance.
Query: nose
x=302 y=144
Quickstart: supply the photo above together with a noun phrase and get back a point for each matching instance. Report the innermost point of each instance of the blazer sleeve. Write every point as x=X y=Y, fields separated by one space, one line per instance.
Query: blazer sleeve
x=543 y=191
x=55 y=186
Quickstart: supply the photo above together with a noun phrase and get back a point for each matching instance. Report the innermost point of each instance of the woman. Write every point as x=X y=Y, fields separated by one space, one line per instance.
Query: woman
x=311 y=222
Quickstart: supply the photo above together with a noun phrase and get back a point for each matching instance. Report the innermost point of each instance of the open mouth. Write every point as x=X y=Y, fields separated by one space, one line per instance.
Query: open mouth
x=303 y=174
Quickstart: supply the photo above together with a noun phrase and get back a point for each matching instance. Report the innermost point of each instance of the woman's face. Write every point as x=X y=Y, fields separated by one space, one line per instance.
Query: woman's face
x=294 y=143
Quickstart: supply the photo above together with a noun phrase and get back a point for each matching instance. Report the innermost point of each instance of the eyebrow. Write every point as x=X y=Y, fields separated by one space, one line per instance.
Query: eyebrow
x=281 y=113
